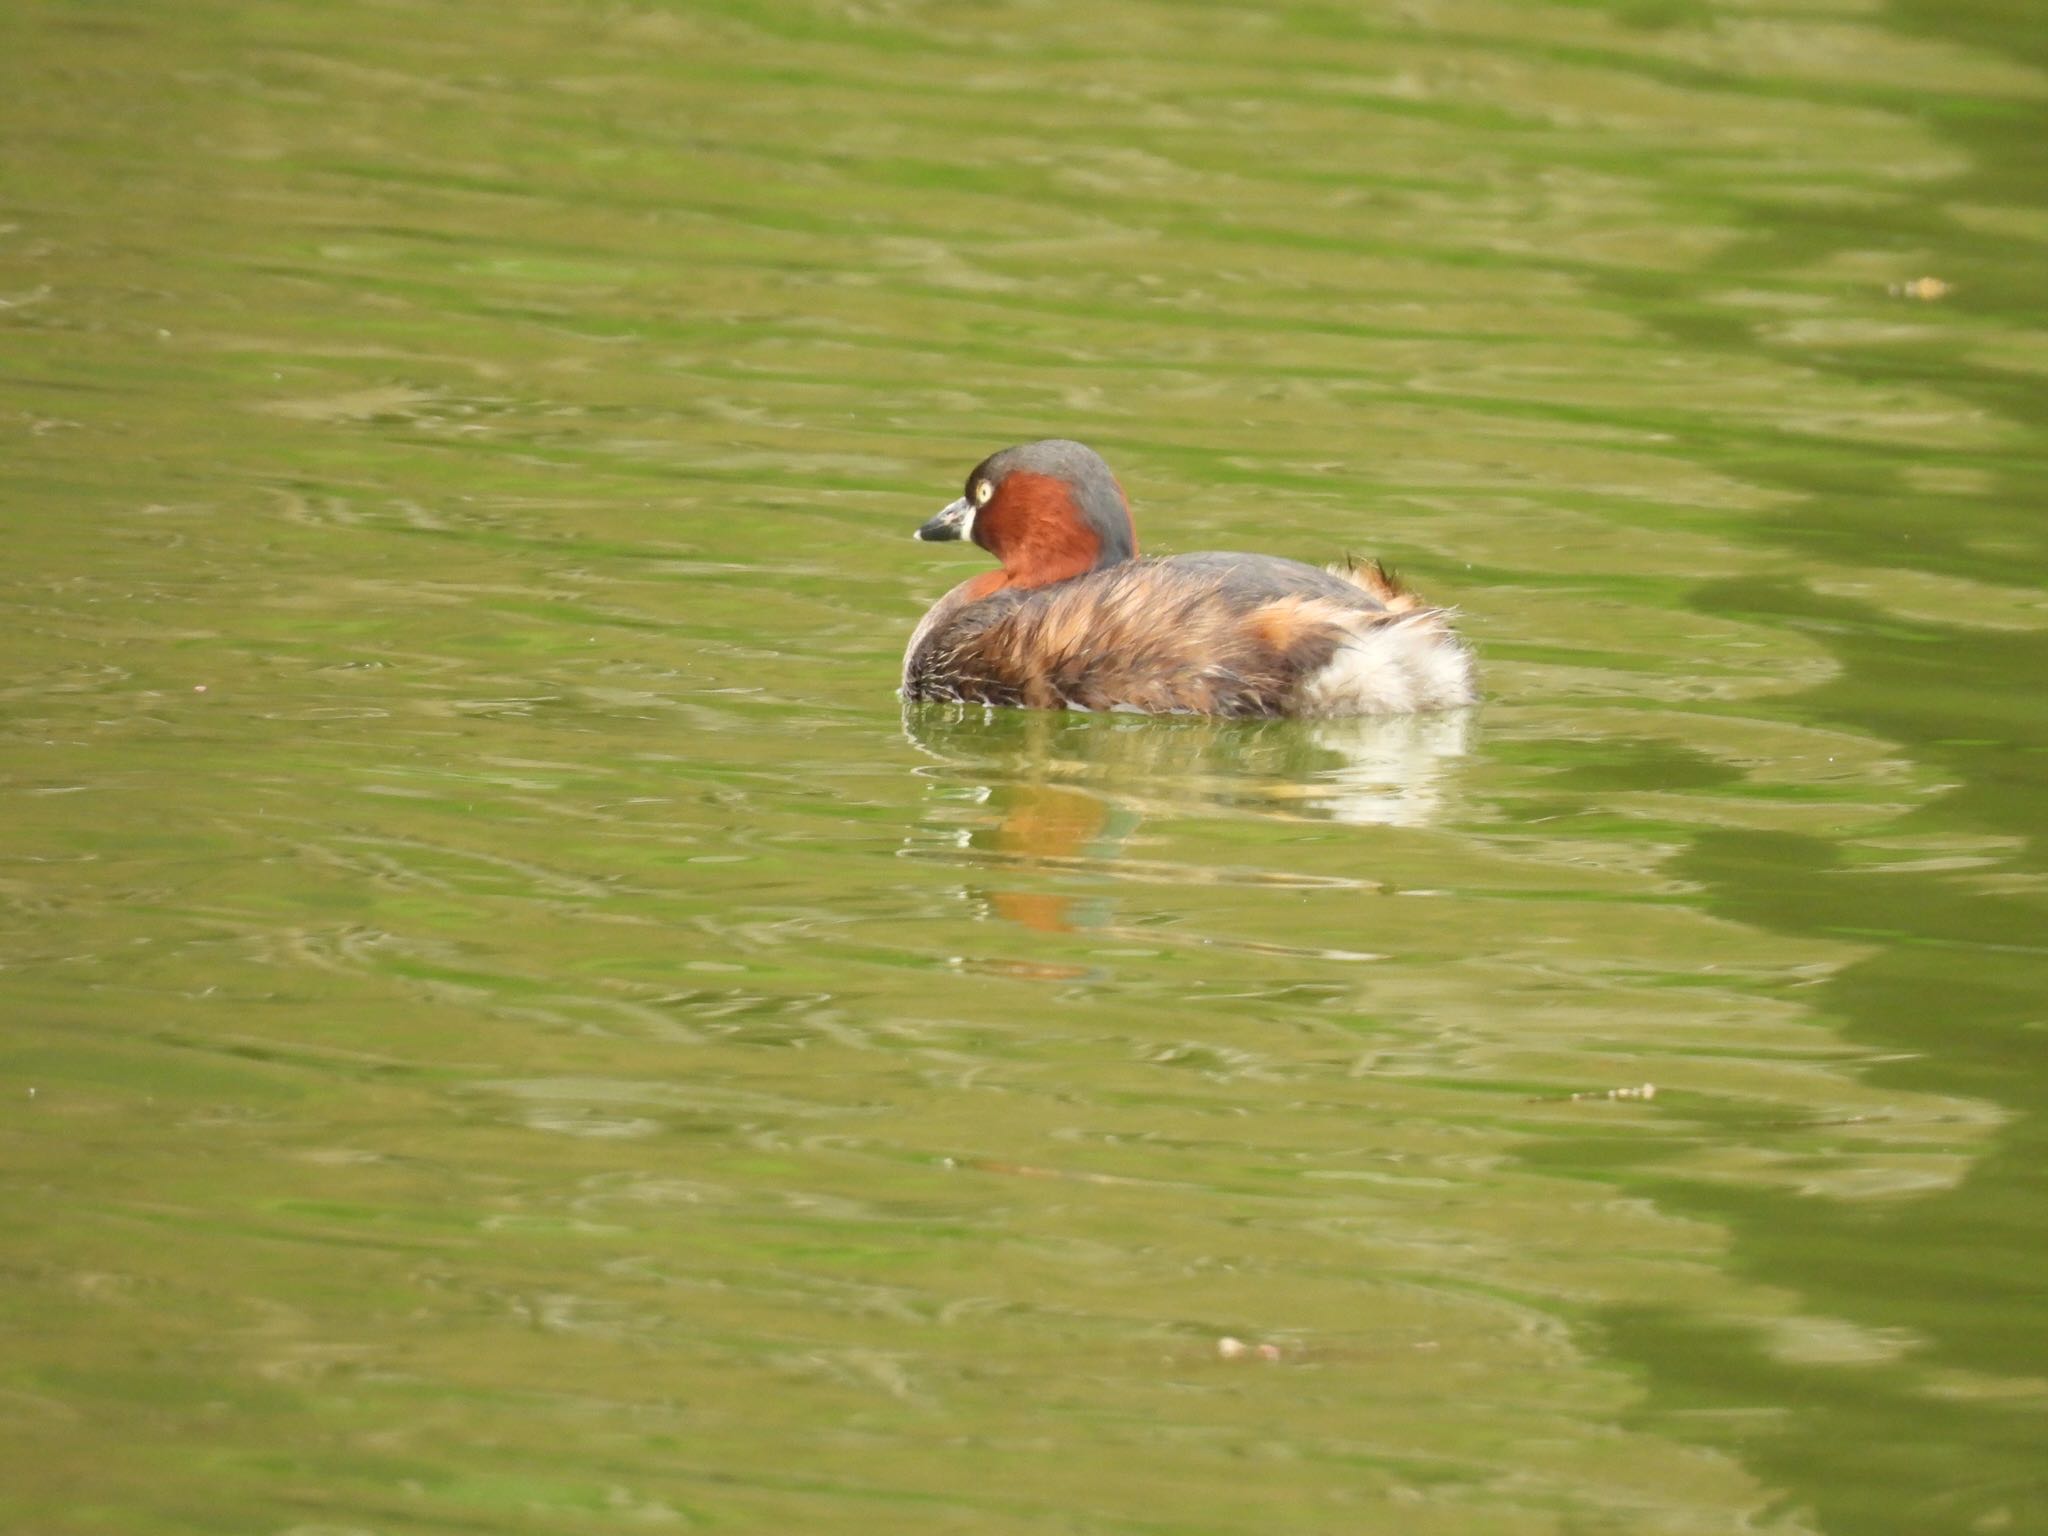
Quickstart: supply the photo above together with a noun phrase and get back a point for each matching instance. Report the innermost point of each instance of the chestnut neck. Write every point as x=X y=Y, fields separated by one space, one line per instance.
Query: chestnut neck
x=1037 y=528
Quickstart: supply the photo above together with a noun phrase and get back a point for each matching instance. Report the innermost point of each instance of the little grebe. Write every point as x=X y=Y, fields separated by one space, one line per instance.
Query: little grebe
x=1075 y=620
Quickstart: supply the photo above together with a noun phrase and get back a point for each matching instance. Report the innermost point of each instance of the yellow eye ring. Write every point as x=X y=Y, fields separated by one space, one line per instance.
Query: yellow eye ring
x=982 y=491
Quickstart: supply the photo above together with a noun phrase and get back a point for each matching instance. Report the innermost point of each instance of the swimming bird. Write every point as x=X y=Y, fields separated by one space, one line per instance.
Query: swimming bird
x=1075 y=619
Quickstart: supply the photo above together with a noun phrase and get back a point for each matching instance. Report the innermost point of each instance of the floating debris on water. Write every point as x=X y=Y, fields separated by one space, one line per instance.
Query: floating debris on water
x=1228 y=1348
x=1637 y=1091
x=1925 y=289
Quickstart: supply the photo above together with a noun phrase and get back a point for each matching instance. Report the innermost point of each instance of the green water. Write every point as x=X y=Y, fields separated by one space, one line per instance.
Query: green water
x=507 y=1028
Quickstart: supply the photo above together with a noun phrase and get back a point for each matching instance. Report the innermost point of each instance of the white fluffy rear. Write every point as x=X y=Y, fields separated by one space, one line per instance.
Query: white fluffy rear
x=1396 y=666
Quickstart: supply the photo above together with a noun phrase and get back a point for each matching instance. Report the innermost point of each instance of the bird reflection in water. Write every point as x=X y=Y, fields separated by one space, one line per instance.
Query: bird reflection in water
x=1027 y=797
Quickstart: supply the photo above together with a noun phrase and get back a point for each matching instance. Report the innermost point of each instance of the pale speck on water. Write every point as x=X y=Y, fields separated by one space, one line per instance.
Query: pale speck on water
x=545 y=1044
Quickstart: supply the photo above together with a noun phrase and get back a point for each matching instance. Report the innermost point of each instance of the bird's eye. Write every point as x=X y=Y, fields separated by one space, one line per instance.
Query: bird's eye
x=982 y=491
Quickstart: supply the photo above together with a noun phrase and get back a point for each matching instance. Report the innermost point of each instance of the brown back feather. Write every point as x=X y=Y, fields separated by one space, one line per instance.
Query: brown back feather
x=1373 y=577
x=1144 y=635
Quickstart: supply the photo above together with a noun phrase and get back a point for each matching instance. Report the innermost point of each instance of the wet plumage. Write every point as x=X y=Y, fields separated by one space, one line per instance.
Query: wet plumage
x=1076 y=620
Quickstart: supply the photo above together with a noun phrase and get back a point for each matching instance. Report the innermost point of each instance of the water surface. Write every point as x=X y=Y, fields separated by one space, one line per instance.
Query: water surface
x=508 y=1027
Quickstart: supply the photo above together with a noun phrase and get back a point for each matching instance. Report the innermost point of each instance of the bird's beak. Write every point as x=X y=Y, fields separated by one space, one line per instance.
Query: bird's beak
x=954 y=521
